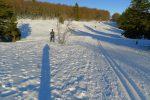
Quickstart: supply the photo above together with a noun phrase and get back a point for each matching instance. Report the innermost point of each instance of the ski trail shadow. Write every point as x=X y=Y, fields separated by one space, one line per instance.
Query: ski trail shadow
x=103 y=33
x=44 y=90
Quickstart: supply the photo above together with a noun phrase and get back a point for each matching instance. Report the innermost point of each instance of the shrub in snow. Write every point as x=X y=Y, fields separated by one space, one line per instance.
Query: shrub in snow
x=63 y=31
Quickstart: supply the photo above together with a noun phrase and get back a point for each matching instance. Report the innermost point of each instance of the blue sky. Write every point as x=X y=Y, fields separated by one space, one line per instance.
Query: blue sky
x=111 y=5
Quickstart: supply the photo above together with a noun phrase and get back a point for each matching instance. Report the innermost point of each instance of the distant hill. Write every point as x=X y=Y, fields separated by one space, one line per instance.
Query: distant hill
x=48 y=10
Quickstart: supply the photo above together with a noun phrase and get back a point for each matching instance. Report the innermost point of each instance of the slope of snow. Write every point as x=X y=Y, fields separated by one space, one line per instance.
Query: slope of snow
x=96 y=63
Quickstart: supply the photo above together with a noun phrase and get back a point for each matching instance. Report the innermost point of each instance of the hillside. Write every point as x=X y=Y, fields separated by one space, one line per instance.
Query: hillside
x=45 y=10
x=96 y=63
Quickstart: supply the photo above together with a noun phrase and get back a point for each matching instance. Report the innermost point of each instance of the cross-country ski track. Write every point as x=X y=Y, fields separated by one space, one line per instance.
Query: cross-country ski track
x=128 y=84
x=96 y=63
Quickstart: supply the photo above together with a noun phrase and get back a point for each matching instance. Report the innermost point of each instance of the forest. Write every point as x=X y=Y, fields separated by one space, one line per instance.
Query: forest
x=35 y=9
x=135 y=20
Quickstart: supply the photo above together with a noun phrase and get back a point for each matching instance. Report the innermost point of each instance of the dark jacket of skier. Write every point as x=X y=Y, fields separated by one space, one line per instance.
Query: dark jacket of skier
x=52 y=36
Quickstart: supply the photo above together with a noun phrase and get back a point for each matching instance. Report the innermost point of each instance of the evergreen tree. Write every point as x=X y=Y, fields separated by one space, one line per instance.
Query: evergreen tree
x=140 y=5
x=61 y=19
x=115 y=16
x=76 y=12
x=8 y=25
x=136 y=19
x=130 y=22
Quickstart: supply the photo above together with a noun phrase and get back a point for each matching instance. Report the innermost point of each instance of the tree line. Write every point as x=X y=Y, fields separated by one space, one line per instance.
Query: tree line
x=10 y=10
x=35 y=9
x=135 y=20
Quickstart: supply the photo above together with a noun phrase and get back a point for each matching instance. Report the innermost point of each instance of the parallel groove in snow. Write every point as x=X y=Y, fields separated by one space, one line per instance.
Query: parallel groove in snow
x=129 y=85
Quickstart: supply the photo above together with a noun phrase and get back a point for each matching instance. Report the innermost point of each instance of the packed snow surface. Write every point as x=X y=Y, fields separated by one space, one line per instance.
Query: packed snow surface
x=96 y=63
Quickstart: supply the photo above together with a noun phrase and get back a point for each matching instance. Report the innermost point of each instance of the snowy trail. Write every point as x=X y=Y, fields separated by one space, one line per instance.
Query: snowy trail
x=128 y=84
x=96 y=63
x=137 y=71
x=132 y=61
x=85 y=65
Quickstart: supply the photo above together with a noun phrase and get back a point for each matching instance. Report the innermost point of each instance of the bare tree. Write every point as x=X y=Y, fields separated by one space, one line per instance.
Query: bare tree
x=63 y=31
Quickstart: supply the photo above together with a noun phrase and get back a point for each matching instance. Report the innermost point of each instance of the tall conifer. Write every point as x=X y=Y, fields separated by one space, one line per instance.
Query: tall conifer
x=136 y=19
x=76 y=12
x=8 y=25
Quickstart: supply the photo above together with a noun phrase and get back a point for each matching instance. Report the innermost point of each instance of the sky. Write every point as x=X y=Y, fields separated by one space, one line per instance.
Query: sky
x=112 y=6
